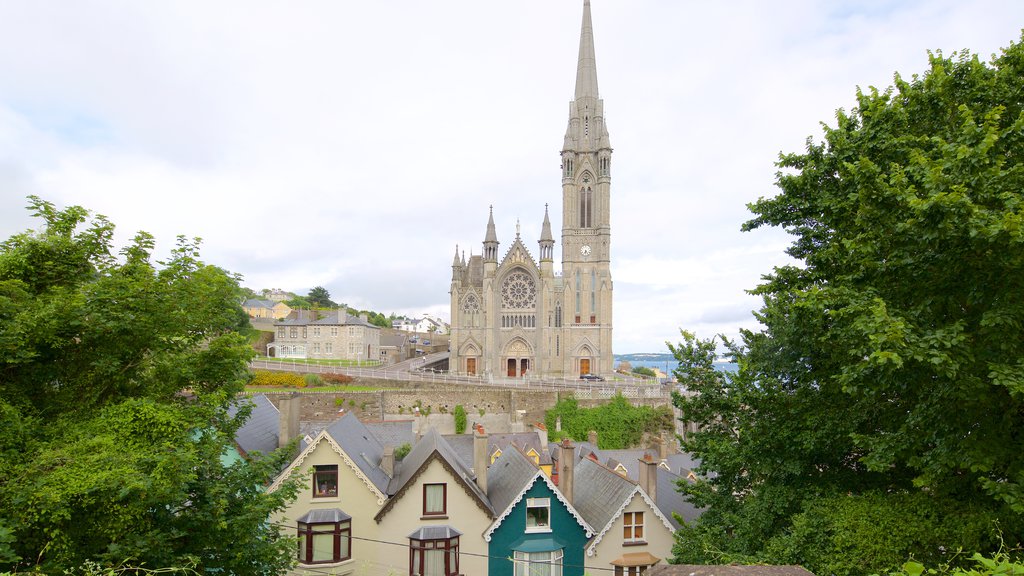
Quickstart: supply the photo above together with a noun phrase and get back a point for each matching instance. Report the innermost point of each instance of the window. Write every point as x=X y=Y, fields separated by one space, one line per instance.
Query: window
x=328 y=347
x=281 y=332
x=334 y=330
x=325 y=481
x=538 y=514
x=293 y=333
x=316 y=347
x=434 y=551
x=325 y=536
x=633 y=527
x=316 y=331
x=538 y=563
x=630 y=570
x=435 y=499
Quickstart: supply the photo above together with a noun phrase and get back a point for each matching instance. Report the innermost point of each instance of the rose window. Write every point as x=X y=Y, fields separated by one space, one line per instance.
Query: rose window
x=518 y=291
x=471 y=304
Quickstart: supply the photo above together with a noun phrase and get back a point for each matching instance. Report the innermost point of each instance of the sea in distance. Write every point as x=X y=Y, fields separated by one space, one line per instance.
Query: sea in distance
x=663 y=361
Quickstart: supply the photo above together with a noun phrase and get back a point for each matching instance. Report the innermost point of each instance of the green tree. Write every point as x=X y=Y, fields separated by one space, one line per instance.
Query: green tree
x=890 y=361
x=319 y=296
x=644 y=371
x=116 y=378
x=460 y=419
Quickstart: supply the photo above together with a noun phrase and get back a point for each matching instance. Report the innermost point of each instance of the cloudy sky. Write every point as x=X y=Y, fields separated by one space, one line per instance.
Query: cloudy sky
x=354 y=144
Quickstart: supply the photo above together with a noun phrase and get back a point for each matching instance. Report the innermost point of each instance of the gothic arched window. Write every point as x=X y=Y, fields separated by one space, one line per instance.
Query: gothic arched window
x=586 y=207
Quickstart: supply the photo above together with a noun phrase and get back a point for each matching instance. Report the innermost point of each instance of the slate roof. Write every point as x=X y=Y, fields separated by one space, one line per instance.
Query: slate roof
x=682 y=463
x=598 y=492
x=361 y=446
x=433 y=445
x=257 y=303
x=507 y=478
x=670 y=500
x=260 y=431
x=332 y=318
x=393 y=432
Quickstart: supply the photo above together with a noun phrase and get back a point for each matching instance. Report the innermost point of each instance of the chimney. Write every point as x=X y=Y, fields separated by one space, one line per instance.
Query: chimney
x=662 y=447
x=480 y=457
x=592 y=437
x=288 y=423
x=387 y=462
x=649 y=476
x=542 y=433
x=566 y=463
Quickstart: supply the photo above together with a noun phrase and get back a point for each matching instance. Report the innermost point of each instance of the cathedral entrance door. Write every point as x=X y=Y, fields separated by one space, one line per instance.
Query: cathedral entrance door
x=471 y=366
x=524 y=365
x=511 y=368
x=584 y=366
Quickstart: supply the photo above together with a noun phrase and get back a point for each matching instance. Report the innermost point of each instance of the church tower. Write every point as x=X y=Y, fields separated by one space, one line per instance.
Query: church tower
x=586 y=218
x=514 y=316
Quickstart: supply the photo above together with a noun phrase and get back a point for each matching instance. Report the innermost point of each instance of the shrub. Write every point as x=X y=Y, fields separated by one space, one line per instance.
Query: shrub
x=460 y=419
x=402 y=451
x=277 y=379
x=313 y=380
x=337 y=378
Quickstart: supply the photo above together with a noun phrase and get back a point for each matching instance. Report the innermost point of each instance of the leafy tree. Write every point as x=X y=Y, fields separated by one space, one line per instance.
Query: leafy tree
x=319 y=297
x=116 y=378
x=644 y=371
x=297 y=302
x=890 y=361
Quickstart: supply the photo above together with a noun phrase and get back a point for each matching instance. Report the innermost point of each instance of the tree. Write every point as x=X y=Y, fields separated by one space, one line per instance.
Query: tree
x=890 y=361
x=319 y=296
x=116 y=378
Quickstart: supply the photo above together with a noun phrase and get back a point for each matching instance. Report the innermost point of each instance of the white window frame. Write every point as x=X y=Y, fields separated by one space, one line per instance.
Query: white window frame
x=538 y=503
x=534 y=563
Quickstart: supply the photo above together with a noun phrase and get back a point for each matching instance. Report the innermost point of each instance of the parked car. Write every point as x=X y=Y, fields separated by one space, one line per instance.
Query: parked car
x=591 y=377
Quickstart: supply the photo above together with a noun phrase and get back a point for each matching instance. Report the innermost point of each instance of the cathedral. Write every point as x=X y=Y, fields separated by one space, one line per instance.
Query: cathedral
x=514 y=315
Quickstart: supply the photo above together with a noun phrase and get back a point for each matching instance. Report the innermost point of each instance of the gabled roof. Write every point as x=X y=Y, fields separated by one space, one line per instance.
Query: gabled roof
x=603 y=494
x=260 y=432
x=332 y=318
x=256 y=303
x=358 y=449
x=671 y=501
x=508 y=480
x=430 y=448
x=518 y=255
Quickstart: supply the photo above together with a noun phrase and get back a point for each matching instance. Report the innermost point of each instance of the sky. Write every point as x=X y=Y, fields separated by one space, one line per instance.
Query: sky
x=354 y=145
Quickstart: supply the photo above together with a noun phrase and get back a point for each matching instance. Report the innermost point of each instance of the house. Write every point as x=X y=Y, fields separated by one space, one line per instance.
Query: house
x=266 y=308
x=537 y=530
x=317 y=334
x=425 y=325
x=633 y=533
x=344 y=486
x=437 y=506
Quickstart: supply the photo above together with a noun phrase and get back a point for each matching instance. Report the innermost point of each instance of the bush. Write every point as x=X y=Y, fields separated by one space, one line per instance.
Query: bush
x=402 y=451
x=277 y=379
x=336 y=378
x=618 y=423
x=644 y=371
x=460 y=419
x=313 y=380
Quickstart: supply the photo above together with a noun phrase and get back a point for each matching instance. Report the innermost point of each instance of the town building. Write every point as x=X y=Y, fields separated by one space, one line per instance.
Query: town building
x=325 y=334
x=513 y=315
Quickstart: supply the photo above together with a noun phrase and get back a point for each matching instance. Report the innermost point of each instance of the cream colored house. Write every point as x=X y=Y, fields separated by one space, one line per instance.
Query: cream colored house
x=438 y=508
x=633 y=533
x=343 y=489
x=266 y=309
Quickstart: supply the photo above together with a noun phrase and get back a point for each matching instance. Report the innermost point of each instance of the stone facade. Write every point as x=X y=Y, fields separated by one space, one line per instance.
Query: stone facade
x=334 y=335
x=517 y=316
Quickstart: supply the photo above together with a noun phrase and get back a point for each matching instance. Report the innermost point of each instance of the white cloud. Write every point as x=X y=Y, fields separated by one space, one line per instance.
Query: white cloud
x=353 y=145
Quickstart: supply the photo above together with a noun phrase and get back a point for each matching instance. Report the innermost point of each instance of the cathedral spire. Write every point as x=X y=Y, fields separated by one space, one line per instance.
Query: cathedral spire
x=547 y=241
x=491 y=240
x=586 y=68
x=491 y=236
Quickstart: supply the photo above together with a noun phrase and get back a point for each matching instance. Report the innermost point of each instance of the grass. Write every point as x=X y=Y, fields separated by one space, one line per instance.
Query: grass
x=319 y=361
x=331 y=388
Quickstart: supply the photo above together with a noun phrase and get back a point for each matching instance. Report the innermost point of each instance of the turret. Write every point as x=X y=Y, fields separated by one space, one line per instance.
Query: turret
x=547 y=241
x=491 y=240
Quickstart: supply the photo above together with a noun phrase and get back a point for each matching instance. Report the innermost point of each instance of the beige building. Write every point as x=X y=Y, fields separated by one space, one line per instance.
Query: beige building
x=319 y=334
x=513 y=315
x=266 y=309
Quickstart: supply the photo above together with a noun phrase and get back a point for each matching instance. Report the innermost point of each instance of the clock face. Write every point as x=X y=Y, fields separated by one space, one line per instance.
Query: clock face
x=585 y=250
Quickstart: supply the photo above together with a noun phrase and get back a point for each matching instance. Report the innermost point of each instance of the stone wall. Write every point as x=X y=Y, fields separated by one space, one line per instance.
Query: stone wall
x=497 y=408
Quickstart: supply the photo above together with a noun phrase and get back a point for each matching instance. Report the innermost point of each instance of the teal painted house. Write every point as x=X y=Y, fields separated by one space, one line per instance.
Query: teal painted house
x=537 y=531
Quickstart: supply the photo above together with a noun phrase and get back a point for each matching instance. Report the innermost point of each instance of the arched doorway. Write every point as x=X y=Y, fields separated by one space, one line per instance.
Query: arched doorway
x=584 y=361
x=517 y=357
